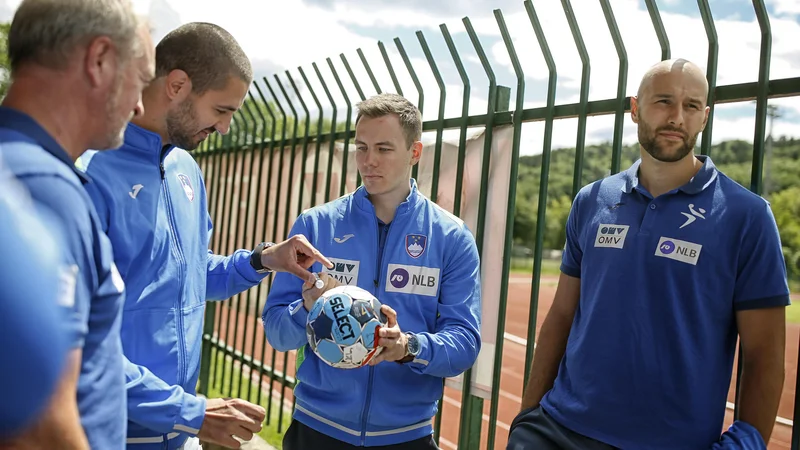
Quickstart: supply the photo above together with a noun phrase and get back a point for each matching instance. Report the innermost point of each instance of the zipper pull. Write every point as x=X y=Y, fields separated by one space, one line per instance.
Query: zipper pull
x=161 y=166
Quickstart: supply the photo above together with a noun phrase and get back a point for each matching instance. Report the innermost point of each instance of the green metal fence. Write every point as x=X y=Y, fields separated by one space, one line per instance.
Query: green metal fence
x=255 y=194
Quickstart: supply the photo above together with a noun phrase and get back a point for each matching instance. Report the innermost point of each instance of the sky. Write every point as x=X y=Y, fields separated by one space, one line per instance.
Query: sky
x=287 y=34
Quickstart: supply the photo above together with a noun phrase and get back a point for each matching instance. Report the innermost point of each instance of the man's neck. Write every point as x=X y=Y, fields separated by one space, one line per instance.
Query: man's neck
x=660 y=177
x=64 y=120
x=386 y=204
x=154 y=118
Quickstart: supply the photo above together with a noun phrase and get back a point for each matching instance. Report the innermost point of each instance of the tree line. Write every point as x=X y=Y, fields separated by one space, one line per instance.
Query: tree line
x=734 y=158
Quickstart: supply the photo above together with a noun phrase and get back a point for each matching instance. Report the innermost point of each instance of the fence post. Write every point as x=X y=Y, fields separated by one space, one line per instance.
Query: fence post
x=473 y=405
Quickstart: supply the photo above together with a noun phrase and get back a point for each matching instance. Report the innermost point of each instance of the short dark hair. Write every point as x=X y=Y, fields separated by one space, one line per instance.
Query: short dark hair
x=47 y=31
x=384 y=104
x=206 y=52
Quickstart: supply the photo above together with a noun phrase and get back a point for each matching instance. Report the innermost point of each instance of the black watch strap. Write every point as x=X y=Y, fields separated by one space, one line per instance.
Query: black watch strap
x=255 y=257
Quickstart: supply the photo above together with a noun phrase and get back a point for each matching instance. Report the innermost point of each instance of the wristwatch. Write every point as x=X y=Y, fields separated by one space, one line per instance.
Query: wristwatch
x=255 y=257
x=413 y=346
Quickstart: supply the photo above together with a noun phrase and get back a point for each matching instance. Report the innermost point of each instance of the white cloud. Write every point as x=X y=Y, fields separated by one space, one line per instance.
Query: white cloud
x=291 y=33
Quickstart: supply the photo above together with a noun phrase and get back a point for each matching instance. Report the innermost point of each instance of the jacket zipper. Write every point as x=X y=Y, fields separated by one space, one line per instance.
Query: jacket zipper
x=177 y=248
x=377 y=283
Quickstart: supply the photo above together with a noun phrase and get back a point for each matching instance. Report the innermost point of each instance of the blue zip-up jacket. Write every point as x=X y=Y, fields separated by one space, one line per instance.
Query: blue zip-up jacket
x=151 y=200
x=428 y=271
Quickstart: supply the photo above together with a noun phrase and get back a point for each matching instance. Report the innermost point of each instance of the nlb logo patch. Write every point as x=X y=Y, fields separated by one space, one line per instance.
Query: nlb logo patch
x=612 y=236
x=187 y=186
x=416 y=280
x=683 y=251
x=344 y=270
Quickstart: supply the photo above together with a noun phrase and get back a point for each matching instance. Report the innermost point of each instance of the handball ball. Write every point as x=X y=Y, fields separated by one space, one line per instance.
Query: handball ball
x=342 y=327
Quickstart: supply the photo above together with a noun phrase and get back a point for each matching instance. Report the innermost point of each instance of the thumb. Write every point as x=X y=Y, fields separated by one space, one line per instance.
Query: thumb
x=391 y=316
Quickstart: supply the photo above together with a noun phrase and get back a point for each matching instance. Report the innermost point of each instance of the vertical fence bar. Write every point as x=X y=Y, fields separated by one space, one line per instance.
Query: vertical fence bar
x=305 y=141
x=278 y=190
x=207 y=349
x=577 y=174
x=361 y=96
x=440 y=124
x=655 y=17
x=255 y=182
x=216 y=147
x=273 y=124
x=622 y=80
x=480 y=230
x=467 y=436
x=417 y=84
x=543 y=178
x=711 y=72
x=345 y=150
x=509 y=230
x=757 y=170
x=243 y=243
x=389 y=67
x=229 y=241
x=369 y=71
x=318 y=141
x=332 y=144
x=287 y=213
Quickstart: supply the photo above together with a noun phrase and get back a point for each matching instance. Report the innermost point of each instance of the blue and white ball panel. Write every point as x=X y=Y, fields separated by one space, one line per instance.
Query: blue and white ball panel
x=316 y=309
x=322 y=327
x=338 y=305
x=368 y=333
x=346 y=330
x=329 y=352
x=310 y=337
x=362 y=311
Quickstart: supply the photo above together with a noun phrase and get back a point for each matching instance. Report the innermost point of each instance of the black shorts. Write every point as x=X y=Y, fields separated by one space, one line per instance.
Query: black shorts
x=535 y=429
x=302 y=437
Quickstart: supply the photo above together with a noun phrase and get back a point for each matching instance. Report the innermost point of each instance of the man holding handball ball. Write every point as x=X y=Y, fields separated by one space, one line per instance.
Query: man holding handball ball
x=418 y=260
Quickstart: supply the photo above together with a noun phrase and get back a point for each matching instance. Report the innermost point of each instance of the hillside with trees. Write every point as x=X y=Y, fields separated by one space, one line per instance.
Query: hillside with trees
x=734 y=158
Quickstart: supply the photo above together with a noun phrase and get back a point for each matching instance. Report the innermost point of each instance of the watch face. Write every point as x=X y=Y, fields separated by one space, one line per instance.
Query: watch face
x=413 y=345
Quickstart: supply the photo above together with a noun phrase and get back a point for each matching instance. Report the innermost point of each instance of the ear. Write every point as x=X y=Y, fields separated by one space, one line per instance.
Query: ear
x=705 y=119
x=101 y=61
x=416 y=152
x=178 y=85
x=635 y=109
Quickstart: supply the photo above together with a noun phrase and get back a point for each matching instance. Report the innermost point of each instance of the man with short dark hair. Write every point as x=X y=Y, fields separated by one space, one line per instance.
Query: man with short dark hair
x=78 y=68
x=419 y=260
x=151 y=199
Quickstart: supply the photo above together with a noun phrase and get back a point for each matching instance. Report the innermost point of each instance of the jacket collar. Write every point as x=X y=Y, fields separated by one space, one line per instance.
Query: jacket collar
x=704 y=177
x=145 y=141
x=361 y=198
x=27 y=125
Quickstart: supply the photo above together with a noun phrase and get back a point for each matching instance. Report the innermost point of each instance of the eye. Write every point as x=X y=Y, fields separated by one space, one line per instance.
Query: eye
x=385 y=149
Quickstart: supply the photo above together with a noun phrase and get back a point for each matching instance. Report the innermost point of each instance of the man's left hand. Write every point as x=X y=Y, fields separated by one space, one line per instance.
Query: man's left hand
x=294 y=255
x=394 y=341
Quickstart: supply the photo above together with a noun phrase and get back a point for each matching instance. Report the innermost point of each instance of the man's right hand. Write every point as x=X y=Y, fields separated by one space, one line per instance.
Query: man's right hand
x=311 y=293
x=229 y=417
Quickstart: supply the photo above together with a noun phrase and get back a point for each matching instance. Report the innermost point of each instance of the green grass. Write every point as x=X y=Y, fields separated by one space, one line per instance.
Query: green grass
x=269 y=432
x=525 y=266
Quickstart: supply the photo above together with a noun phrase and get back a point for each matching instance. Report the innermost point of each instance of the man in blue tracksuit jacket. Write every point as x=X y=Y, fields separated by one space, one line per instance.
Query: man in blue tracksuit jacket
x=151 y=200
x=70 y=60
x=420 y=261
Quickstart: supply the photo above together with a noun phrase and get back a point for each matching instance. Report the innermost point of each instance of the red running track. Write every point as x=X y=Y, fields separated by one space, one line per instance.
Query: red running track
x=511 y=379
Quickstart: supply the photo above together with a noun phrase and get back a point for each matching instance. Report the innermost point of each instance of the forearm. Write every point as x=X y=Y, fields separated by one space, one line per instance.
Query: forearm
x=761 y=386
x=447 y=353
x=59 y=426
x=285 y=325
x=230 y=275
x=549 y=351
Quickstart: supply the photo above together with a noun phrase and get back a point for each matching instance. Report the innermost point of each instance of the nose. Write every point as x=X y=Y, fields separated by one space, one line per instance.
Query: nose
x=223 y=126
x=676 y=114
x=369 y=158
